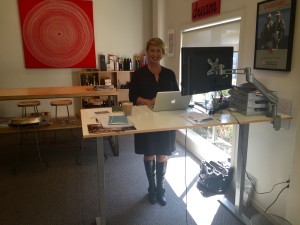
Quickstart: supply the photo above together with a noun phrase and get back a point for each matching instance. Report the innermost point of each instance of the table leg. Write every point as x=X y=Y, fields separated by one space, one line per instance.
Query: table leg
x=237 y=208
x=101 y=184
x=114 y=143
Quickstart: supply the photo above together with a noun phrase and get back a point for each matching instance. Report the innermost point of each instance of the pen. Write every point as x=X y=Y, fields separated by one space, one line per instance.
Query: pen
x=101 y=112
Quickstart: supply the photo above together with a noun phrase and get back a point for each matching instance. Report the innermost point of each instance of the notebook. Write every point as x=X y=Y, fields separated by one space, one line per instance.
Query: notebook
x=171 y=100
x=117 y=120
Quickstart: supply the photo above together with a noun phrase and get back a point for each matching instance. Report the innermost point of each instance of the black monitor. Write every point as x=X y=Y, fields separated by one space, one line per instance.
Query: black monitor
x=198 y=72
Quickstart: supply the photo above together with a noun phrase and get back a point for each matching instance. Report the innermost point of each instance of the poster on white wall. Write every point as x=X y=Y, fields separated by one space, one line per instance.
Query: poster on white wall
x=274 y=34
x=171 y=43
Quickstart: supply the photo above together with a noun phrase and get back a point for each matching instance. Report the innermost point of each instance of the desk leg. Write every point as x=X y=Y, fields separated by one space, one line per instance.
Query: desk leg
x=237 y=208
x=100 y=164
x=114 y=143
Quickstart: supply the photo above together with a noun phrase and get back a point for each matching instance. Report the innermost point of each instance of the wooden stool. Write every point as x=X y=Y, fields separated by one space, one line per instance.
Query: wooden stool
x=26 y=123
x=26 y=104
x=61 y=102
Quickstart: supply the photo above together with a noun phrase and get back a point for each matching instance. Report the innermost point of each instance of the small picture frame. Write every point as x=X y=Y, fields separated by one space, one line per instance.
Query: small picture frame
x=171 y=43
x=275 y=22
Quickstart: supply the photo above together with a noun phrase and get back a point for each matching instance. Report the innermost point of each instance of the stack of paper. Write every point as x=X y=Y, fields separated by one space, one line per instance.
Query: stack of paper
x=196 y=118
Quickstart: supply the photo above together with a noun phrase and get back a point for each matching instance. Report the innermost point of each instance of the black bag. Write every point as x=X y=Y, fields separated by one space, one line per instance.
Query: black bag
x=214 y=178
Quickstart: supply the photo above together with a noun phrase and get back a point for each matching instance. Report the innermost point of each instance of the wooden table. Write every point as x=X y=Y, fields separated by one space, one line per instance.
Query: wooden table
x=146 y=120
x=53 y=92
x=58 y=92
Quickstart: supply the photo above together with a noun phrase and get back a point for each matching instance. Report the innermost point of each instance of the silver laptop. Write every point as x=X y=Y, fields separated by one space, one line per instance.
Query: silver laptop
x=171 y=100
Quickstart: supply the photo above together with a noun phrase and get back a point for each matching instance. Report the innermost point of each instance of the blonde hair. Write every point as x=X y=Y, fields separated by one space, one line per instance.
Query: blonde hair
x=156 y=42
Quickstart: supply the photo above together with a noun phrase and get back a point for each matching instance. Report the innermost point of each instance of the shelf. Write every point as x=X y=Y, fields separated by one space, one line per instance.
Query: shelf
x=98 y=77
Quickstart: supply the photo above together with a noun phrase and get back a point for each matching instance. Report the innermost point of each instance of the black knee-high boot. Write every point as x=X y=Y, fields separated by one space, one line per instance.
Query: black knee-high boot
x=150 y=171
x=161 y=168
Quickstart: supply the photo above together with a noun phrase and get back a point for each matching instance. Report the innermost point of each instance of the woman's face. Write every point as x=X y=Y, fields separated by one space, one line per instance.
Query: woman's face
x=155 y=54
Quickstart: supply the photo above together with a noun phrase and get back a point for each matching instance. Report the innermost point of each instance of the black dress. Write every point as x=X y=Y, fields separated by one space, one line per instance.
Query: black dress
x=143 y=84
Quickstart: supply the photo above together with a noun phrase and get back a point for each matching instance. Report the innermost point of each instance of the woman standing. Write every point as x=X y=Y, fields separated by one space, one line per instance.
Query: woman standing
x=155 y=146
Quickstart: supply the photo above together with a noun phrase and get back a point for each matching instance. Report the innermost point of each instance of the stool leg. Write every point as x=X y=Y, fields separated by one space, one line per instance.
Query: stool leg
x=17 y=152
x=36 y=111
x=68 y=111
x=23 y=111
x=37 y=144
x=78 y=160
x=56 y=113
x=56 y=122
x=38 y=148
x=69 y=121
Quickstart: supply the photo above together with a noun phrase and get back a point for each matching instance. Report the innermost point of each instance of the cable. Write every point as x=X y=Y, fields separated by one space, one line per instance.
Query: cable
x=244 y=165
x=185 y=182
x=276 y=198
x=265 y=192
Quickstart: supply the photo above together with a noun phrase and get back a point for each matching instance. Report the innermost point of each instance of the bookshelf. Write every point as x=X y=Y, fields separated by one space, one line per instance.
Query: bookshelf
x=117 y=79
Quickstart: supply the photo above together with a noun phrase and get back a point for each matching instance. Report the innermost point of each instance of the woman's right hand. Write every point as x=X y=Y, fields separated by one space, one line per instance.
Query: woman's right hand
x=144 y=101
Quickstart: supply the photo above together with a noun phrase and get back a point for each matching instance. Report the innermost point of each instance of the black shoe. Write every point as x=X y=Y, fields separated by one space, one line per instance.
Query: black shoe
x=161 y=197
x=161 y=168
x=152 y=195
x=150 y=172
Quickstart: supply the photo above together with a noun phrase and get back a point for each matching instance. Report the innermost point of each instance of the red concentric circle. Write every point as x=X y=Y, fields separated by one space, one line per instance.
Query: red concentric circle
x=58 y=33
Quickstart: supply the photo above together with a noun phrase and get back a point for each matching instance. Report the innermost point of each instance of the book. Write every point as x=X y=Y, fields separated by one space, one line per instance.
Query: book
x=117 y=120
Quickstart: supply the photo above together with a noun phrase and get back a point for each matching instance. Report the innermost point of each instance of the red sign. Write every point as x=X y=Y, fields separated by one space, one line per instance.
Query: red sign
x=205 y=8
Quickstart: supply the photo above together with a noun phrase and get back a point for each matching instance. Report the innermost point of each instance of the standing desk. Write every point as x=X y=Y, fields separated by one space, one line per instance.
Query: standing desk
x=146 y=120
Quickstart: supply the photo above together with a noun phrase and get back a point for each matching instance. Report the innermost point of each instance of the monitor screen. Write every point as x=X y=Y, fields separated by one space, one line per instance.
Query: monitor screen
x=200 y=67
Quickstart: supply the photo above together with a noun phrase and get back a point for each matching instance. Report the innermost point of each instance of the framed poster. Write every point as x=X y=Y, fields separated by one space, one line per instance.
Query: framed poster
x=275 y=22
x=57 y=34
x=171 y=43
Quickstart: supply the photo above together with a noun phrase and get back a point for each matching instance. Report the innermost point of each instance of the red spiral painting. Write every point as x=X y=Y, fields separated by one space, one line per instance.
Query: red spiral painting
x=57 y=33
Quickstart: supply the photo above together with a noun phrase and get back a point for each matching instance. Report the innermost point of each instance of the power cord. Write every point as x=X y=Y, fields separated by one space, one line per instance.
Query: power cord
x=287 y=186
x=265 y=192
x=252 y=184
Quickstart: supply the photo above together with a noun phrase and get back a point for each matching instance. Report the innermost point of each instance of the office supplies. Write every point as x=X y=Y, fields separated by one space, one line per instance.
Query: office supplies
x=196 y=118
x=117 y=120
x=170 y=100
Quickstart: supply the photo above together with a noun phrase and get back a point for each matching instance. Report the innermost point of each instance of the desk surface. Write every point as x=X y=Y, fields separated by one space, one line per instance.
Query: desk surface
x=145 y=120
x=52 y=92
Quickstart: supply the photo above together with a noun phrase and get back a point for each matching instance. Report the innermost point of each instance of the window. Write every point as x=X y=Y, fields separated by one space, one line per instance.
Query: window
x=221 y=137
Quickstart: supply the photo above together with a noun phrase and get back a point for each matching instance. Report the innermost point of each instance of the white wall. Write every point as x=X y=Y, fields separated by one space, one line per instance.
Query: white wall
x=121 y=27
x=273 y=156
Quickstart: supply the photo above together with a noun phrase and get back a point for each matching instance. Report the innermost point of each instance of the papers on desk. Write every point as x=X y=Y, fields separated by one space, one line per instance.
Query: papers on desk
x=196 y=118
x=98 y=128
x=107 y=121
